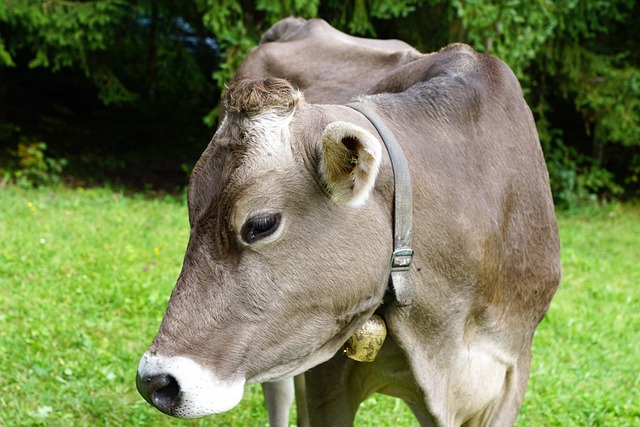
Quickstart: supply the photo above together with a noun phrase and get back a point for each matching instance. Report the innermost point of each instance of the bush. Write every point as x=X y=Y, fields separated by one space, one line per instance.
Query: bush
x=32 y=166
x=577 y=180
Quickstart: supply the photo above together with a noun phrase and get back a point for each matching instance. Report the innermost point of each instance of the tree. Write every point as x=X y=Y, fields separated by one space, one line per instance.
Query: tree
x=577 y=60
x=578 y=63
x=105 y=81
x=64 y=34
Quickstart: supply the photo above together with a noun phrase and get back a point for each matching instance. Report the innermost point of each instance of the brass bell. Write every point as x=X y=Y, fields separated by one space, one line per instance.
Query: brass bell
x=365 y=344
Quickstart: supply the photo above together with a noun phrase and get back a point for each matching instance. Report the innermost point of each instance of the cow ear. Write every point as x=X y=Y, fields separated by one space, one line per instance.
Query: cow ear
x=350 y=162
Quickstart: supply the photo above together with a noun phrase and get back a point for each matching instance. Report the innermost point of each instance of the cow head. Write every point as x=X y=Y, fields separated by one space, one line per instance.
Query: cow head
x=288 y=252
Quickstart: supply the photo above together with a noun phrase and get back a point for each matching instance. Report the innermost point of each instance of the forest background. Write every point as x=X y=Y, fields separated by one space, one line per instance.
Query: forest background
x=126 y=92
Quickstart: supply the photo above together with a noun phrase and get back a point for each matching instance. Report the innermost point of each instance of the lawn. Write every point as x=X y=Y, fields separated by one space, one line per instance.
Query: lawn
x=85 y=276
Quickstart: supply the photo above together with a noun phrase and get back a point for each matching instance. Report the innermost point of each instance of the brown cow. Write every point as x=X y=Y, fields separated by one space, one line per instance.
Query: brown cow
x=291 y=213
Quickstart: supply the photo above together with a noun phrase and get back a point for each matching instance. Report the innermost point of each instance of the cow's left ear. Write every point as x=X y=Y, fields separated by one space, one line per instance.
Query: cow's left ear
x=350 y=162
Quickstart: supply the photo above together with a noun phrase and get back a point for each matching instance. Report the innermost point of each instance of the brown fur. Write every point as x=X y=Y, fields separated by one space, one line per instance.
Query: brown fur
x=487 y=250
x=250 y=97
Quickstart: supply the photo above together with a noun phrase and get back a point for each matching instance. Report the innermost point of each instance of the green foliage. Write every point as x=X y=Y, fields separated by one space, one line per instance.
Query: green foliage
x=601 y=79
x=634 y=176
x=239 y=25
x=359 y=17
x=61 y=33
x=108 y=82
x=514 y=30
x=33 y=167
x=570 y=50
x=576 y=179
x=608 y=97
x=585 y=358
x=105 y=40
x=85 y=275
x=577 y=60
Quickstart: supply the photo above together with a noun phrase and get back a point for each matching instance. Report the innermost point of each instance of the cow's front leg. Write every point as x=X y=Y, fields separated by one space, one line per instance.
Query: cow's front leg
x=301 y=400
x=278 y=396
x=335 y=389
x=331 y=399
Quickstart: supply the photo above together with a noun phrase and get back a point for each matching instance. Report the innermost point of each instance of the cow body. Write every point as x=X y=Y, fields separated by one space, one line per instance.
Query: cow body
x=291 y=213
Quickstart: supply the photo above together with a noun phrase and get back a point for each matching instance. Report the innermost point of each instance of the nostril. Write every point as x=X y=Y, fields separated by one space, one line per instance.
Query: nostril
x=167 y=396
x=162 y=391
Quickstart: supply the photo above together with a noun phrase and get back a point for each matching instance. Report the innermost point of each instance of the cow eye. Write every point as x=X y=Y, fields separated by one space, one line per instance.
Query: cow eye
x=260 y=226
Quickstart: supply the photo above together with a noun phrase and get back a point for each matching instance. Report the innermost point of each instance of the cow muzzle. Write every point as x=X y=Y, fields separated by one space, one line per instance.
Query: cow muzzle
x=180 y=387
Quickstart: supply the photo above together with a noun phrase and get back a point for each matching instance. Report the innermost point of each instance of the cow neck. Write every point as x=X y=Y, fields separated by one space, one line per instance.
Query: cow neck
x=402 y=256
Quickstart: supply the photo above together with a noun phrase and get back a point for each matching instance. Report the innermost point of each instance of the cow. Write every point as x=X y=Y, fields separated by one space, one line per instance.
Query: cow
x=291 y=209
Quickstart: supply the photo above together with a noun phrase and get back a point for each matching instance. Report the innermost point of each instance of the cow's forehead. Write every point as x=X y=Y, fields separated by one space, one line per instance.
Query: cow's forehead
x=259 y=113
x=252 y=143
x=263 y=140
x=243 y=153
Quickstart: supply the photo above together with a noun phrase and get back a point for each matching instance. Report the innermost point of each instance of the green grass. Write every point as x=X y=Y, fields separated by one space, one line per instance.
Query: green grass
x=85 y=276
x=586 y=367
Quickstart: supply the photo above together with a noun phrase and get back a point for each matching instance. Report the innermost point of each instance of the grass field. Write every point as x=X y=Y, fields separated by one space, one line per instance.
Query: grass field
x=85 y=275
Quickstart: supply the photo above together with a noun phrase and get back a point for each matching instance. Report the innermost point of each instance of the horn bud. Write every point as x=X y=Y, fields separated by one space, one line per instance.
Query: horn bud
x=365 y=344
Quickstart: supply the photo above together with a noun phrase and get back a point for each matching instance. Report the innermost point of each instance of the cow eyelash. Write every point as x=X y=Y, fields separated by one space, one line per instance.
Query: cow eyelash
x=260 y=226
